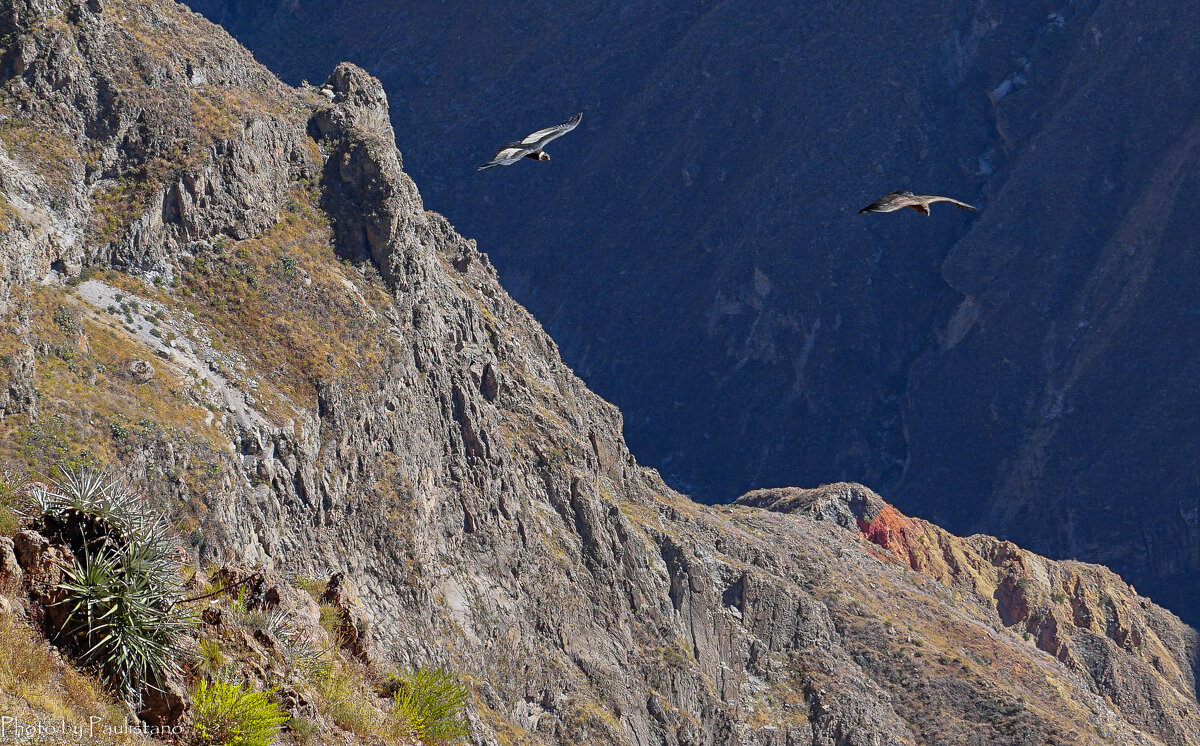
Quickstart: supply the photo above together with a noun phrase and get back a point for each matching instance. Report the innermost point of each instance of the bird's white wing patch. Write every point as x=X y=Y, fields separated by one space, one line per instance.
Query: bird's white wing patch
x=960 y=205
x=510 y=154
x=537 y=136
x=543 y=136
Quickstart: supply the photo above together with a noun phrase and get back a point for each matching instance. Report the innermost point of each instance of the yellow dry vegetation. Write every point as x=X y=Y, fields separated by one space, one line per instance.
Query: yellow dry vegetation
x=343 y=691
x=88 y=407
x=505 y=731
x=350 y=698
x=588 y=721
x=116 y=206
x=221 y=112
x=9 y=217
x=37 y=687
x=50 y=153
x=285 y=302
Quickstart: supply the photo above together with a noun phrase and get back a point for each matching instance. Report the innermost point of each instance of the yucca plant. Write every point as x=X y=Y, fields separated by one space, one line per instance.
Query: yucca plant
x=429 y=704
x=116 y=622
x=301 y=650
x=117 y=603
x=225 y=714
x=89 y=510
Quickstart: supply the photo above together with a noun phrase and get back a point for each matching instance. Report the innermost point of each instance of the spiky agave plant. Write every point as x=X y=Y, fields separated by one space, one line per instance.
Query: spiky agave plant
x=302 y=651
x=117 y=624
x=118 y=600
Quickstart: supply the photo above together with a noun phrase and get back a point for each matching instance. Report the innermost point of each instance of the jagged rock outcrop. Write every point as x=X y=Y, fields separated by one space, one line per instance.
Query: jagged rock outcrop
x=396 y=418
x=1081 y=614
x=362 y=168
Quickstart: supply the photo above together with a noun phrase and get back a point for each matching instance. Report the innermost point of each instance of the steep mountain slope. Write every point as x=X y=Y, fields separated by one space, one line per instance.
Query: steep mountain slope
x=693 y=246
x=234 y=290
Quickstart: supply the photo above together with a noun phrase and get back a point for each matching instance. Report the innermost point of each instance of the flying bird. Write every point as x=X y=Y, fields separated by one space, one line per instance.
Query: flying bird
x=900 y=199
x=531 y=145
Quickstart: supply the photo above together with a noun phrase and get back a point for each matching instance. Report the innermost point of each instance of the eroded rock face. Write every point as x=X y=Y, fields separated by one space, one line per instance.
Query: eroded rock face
x=11 y=574
x=109 y=165
x=1081 y=614
x=354 y=631
x=479 y=500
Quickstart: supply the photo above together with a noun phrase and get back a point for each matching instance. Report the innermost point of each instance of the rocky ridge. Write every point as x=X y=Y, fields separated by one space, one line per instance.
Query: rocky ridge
x=340 y=384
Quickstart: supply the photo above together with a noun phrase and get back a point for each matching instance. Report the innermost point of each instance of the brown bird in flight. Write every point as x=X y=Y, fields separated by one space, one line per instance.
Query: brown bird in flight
x=900 y=199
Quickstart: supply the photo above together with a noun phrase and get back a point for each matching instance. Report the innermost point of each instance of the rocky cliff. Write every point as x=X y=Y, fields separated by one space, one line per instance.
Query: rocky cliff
x=232 y=289
x=696 y=253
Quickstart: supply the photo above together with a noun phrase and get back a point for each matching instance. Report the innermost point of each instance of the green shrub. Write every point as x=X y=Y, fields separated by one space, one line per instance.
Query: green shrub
x=118 y=599
x=314 y=587
x=65 y=320
x=429 y=704
x=231 y=715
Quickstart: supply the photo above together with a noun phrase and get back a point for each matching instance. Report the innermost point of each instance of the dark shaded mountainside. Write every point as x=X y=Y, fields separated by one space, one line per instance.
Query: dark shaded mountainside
x=1030 y=371
x=232 y=289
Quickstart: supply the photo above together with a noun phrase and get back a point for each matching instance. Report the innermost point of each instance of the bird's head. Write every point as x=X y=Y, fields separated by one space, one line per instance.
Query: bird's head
x=543 y=156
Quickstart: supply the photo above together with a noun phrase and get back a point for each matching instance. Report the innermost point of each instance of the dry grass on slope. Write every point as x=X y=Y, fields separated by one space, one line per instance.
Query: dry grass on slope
x=284 y=301
x=37 y=687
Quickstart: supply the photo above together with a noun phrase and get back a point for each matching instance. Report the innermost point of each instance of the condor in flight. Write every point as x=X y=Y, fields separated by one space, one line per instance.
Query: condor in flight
x=531 y=146
x=900 y=199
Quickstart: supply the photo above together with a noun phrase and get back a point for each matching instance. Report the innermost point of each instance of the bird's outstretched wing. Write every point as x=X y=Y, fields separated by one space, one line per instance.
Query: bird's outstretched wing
x=900 y=199
x=539 y=139
x=508 y=155
x=891 y=202
x=930 y=199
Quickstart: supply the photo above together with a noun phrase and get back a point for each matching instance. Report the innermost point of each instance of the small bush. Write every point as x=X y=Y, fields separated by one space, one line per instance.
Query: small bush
x=62 y=316
x=226 y=714
x=331 y=619
x=429 y=704
x=314 y=587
